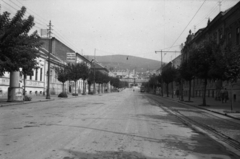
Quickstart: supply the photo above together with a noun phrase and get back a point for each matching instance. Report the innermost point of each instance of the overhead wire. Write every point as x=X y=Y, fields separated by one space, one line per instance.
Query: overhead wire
x=39 y=17
x=208 y=15
x=189 y=22
x=35 y=21
x=38 y=23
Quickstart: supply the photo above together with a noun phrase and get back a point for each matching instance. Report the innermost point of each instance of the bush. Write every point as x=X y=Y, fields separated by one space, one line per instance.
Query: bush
x=63 y=95
x=27 y=98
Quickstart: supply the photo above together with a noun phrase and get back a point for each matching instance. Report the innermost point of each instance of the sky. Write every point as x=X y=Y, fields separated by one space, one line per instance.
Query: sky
x=127 y=27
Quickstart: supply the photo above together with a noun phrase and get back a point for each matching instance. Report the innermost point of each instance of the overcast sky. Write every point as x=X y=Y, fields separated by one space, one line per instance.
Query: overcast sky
x=129 y=27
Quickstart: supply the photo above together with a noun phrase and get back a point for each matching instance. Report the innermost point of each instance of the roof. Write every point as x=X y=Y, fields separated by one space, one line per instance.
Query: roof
x=53 y=38
x=54 y=59
x=98 y=66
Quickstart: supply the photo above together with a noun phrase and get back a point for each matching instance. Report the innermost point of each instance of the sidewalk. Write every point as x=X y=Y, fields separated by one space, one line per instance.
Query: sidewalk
x=212 y=105
x=35 y=99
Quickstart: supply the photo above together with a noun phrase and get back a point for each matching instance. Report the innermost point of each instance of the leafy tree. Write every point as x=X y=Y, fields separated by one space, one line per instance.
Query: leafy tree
x=179 y=80
x=106 y=79
x=77 y=71
x=17 y=48
x=230 y=64
x=160 y=81
x=62 y=74
x=187 y=73
x=90 y=80
x=85 y=71
x=115 y=82
x=153 y=82
x=168 y=75
x=202 y=62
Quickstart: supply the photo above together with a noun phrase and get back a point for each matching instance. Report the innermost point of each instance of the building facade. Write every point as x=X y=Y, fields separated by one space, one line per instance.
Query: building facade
x=37 y=83
x=224 y=29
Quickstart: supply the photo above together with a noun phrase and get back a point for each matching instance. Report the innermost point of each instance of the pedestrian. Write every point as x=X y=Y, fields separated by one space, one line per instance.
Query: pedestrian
x=225 y=95
x=222 y=95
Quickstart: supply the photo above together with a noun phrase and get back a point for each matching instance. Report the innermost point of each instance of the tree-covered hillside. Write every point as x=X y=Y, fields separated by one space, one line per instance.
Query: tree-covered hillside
x=124 y=62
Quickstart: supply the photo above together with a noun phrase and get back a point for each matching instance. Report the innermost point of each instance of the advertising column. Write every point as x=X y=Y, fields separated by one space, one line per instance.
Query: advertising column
x=14 y=91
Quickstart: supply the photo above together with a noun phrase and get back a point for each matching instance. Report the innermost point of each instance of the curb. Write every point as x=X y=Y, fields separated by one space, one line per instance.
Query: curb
x=21 y=103
x=37 y=101
x=209 y=110
x=202 y=108
x=44 y=100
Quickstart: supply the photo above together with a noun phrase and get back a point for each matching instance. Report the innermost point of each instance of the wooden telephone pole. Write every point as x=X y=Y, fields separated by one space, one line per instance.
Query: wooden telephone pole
x=49 y=53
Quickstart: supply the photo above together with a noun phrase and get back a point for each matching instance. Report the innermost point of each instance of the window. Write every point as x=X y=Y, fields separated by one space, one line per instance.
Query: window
x=36 y=75
x=40 y=74
x=237 y=35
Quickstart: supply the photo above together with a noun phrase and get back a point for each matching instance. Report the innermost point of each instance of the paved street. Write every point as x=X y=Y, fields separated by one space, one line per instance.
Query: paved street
x=126 y=125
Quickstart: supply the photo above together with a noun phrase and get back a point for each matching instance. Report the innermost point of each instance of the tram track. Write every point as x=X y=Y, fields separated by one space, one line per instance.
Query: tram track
x=227 y=141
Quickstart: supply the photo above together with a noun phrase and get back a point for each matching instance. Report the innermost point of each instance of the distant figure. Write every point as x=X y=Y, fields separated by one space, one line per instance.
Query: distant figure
x=225 y=95
x=222 y=95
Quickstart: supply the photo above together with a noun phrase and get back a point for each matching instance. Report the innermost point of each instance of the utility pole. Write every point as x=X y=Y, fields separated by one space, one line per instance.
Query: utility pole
x=49 y=52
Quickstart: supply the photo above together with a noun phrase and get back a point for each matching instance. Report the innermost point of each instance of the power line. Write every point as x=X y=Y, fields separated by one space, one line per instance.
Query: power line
x=38 y=24
x=40 y=18
x=171 y=47
x=10 y=5
x=208 y=15
x=189 y=22
x=35 y=21
x=28 y=12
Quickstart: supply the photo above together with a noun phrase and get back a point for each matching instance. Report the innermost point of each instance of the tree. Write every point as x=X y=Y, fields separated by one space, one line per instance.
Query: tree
x=90 y=80
x=115 y=82
x=62 y=75
x=168 y=75
x=75 y=73
x=17 y=48
x=153 y=82
x=231 y=58
x=187 y=73
x=228 y=66
x=84 y=74
x=101 y=78
x=179 y=81
x=202 y=61
x=106 y=79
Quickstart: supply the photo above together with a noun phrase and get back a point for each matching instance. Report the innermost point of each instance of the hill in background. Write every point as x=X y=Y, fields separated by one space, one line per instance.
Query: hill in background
x=124 y=62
